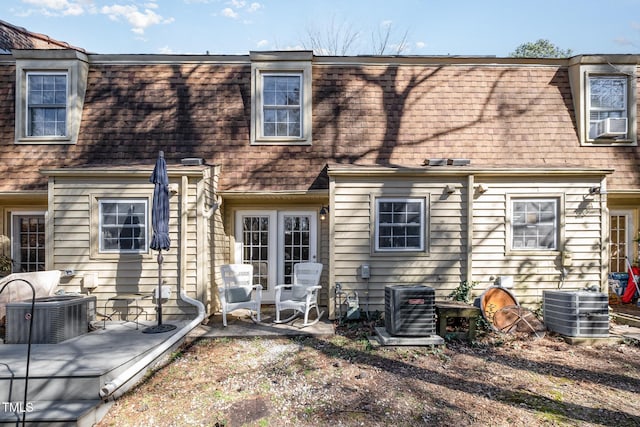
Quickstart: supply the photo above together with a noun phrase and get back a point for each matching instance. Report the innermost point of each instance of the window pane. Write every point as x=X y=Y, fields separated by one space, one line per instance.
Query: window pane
x=294 y=129
x=282 y=116
x=534 y=224
x=270 y=116
x=269 y=97
x=270 y=83
x=400 y=224
x=608 y=93
x=269 y=129
x=123 y=226
x=36 y=82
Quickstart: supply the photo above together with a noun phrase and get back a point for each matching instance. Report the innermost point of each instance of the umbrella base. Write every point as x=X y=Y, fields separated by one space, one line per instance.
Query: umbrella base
x=158 y=329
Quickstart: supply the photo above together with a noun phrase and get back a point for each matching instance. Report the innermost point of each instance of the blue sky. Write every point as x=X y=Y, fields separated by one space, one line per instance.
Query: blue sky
x=433 y=27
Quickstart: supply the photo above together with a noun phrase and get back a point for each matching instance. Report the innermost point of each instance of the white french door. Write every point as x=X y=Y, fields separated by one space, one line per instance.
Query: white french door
x=621 y=240
x=274 y=241
x=28 y=241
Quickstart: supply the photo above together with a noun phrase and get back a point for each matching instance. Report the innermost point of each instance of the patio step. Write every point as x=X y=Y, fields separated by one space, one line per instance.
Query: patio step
x=81 y=413
x=48 y=388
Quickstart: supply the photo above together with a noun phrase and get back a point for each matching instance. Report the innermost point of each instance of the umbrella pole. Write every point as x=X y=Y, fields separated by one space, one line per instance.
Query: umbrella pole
x=159 y=328
x=160 y=261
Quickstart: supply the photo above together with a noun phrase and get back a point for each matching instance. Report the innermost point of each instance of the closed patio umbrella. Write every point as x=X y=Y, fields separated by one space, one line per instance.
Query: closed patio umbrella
x=160 y=224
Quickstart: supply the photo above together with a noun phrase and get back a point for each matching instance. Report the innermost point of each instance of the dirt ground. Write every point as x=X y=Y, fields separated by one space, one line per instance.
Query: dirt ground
x=345 y=380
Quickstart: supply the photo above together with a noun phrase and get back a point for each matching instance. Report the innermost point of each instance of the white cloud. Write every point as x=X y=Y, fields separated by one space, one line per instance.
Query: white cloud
x=138 y=20
x=262 y=43
x=254 y=7
x=421 y=45
x=236 y=7
x=229 y=13
x=62 y=7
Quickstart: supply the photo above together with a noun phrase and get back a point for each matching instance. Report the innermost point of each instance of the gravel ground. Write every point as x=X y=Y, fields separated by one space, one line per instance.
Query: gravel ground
x=344 y=380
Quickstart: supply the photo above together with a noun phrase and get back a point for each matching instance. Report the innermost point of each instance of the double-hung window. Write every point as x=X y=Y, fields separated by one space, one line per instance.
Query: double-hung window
x=123 y=225
x=608 y=116
x=50 y=89
x=534 y=224
x=46 y=104
x=604 y=91
x=400 y=224
x=281 y=107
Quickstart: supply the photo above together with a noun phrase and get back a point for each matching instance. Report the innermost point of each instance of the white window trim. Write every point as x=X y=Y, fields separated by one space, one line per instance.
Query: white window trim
x=559 y=224
x=288 y=64
x=66 y=106
x=145 y=231
x=262 y=106
x=423 y=225
x=72 y=63
x=96 y=227
x=589 y=108
x=579 y=75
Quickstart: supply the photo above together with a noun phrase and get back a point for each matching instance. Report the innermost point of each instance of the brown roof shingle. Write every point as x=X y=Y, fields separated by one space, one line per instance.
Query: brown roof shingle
x=12 y=37
x=374 y=112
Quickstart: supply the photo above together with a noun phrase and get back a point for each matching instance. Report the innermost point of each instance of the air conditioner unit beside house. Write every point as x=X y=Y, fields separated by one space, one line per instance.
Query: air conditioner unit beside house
x=410 y=310
x=612 y=126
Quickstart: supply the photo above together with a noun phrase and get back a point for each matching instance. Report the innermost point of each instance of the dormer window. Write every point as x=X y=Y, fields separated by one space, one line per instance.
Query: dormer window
x=607 y=107
x=604 y=99
x=281 y=98
x=50 y=88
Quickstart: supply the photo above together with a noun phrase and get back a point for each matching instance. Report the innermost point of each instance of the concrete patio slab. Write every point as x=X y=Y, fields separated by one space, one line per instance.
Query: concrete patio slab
x=239 y=324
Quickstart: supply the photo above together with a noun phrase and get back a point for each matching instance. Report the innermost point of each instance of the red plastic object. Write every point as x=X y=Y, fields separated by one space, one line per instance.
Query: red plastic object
x=630 y=291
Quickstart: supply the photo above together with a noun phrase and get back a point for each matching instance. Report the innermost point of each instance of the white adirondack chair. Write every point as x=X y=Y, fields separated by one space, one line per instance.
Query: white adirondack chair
x=238 y=291
x=303 y=295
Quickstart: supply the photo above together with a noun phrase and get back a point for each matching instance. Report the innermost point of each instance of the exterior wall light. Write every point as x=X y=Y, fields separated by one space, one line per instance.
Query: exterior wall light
x=323 y=212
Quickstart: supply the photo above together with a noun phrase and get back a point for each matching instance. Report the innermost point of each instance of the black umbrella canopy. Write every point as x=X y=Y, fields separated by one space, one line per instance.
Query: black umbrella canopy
x=160 y=223
x=160 y=208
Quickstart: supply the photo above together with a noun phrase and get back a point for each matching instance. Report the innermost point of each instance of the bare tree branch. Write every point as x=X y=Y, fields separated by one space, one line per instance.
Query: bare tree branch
x=337 y=39
x=342 y=39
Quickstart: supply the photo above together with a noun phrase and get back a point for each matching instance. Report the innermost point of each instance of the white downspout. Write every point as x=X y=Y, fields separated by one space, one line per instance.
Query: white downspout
x=110 y=387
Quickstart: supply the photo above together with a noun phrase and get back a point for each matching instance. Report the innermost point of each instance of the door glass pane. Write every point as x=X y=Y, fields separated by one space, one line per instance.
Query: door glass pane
x=255 y=242
x=29 y=238
x=618 y=248
x=296 y=243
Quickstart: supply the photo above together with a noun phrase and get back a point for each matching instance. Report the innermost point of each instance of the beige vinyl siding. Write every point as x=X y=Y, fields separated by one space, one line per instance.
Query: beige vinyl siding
x=581 y=233
x=73 y=216
x=439 y=266
x=450 y=257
